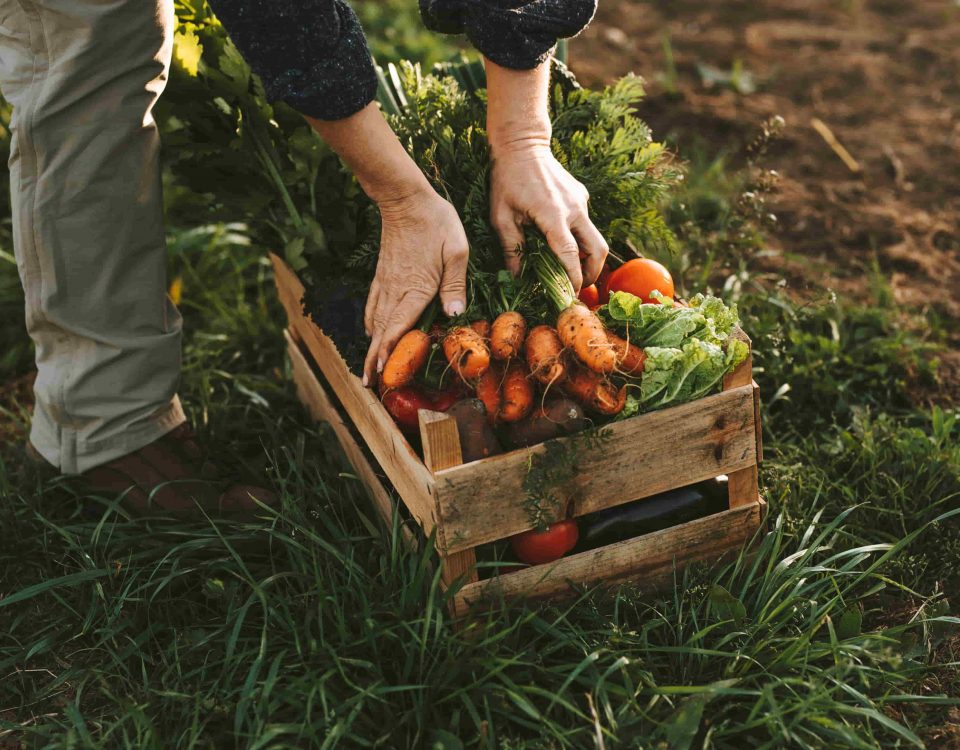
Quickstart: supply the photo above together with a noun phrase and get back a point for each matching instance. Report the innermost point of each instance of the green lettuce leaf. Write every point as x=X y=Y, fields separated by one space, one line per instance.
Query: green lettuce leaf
x=674 y=375
x=669 y=325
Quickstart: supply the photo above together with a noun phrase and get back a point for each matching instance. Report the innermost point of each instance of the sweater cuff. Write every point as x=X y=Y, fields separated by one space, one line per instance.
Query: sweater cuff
x=517 y=34
x=340 y=84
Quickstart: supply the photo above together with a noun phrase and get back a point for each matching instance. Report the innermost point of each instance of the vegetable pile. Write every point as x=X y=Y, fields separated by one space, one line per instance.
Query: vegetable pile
x=540 y=361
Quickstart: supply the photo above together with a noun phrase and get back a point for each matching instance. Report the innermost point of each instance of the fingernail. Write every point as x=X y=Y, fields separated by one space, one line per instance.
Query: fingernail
x=379 y=365
x=453 y=308
x=366 y=380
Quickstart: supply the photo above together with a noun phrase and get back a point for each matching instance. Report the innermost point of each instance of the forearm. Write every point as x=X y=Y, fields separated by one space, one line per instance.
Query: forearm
x=370 y=148
x=518 y=115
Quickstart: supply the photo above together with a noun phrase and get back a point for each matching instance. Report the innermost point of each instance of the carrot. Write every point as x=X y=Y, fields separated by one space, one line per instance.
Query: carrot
x=517 y=392
x=488 y=391
x=507 y=334
x=406 y=359
x=466 y=352
x=630 y=358
x=482 y=327
x=543 y=350
x=581 y=330
x=594 y=391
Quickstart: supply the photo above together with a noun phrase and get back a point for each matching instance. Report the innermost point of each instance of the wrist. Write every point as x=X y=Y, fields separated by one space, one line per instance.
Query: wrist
x=396 y=184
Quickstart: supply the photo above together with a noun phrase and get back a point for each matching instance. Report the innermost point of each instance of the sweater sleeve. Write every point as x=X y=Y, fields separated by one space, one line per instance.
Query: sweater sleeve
x=311 y=54
x=516 y=34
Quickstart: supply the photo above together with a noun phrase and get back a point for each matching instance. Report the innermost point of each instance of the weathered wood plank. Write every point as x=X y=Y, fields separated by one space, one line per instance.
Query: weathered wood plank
x=482 y=501
x=319 y=406
x=743 y=487
x=412 y=480
x=651 y=560
x=441 y=450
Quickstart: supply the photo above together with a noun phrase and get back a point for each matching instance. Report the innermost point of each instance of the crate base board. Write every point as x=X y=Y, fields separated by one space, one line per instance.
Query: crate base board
x=651 y=560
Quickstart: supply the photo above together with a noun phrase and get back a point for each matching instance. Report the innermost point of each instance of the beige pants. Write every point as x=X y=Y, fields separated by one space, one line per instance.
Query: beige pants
x=83 y=76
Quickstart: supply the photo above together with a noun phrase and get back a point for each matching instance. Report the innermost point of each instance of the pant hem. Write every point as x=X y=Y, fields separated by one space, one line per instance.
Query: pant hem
x=79 y=458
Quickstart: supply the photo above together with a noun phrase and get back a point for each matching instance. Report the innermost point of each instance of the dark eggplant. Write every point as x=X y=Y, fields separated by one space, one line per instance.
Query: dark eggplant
x=652 y=514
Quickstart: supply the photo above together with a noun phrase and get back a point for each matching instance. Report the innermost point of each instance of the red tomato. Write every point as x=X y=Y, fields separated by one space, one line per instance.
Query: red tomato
x=590 y=296
x=536 y=547
x=403 y=405
x=640 y=277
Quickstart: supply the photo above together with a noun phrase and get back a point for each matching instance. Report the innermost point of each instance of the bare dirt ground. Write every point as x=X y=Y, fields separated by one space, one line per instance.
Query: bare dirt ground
x=882 y=75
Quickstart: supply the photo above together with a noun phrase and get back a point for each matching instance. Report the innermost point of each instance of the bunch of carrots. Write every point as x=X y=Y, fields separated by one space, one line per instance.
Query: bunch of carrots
x=504 y=363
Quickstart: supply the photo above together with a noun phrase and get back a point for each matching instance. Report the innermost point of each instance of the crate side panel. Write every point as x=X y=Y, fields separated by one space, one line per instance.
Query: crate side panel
x=406 y=471
x=482 y=501
x=651 y=560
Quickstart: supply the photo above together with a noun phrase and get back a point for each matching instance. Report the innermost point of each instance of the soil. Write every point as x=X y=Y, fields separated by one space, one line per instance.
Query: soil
x=882 y=75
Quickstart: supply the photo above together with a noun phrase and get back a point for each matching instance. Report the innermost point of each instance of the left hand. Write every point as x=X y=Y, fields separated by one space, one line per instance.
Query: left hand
x=529 y=186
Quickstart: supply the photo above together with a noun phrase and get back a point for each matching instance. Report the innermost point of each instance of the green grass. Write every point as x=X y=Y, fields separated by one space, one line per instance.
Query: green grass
x=315 y=627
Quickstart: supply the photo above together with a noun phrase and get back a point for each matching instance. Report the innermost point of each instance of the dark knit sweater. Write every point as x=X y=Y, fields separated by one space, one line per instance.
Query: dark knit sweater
x=313 y=55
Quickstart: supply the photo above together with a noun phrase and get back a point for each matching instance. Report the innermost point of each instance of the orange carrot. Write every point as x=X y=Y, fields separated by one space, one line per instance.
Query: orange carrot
x=466 y=352
x=630 y=358
x=482 y=327
x=543 y=350
x=508 y=332
x=594 y=391
x=581 y=330
x=488 y=390
x=406 y=359
x=517 y=392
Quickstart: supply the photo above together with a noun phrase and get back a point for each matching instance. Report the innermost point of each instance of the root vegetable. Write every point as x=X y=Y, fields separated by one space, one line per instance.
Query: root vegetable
x=517 y=393
x=482 y=327
x=488 y=391
x=476 y=437
x=543 y=349
x=507 y=334
x=467 y=352
x=630 y=358
x=407 y=359
x=583 y=332
x=555 y=418
x=594 y=391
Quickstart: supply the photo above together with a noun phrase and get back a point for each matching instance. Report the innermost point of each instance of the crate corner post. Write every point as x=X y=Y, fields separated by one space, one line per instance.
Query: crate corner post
x=744 y=486
x=441 y=450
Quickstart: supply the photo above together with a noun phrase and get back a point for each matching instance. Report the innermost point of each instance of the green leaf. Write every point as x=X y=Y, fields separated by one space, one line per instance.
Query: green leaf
x=187 y=51
x=849 y=624
x=727 y=605
x=441 y=739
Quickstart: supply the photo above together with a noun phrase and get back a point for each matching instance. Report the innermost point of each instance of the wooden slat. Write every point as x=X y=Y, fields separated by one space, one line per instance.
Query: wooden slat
x=743 y=485
x=441 y=450
x=646 y=455
x=651 y=560
x=319 y=406
x=412 y=480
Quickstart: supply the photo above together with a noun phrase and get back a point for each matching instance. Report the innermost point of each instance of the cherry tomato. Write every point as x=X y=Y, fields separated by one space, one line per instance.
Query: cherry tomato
x=590 y=296
x=640 y=277
x=536 y=547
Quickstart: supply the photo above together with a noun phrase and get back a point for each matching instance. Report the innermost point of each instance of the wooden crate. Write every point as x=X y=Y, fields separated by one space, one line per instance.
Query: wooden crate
x=471 y=504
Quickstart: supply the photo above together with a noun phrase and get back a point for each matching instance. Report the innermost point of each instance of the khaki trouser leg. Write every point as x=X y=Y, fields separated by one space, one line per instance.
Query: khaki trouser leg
x=83 y=76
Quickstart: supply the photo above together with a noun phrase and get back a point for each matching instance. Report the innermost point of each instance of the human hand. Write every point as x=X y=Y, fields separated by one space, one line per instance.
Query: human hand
x=529 y=186
x=423 y=249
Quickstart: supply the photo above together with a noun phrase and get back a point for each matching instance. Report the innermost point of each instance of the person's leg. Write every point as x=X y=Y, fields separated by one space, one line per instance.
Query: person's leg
x=83 y=76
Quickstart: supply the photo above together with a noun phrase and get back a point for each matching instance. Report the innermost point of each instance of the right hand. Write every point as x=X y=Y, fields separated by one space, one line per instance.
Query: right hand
x=423 y=249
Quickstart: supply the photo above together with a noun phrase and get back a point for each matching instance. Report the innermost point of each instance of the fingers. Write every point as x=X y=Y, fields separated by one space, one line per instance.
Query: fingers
x=401 y=319
x=510 y=232
x=373 y=299
x=453 y=284
x=392 y=318
x=593 y=248
x=565 y=247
